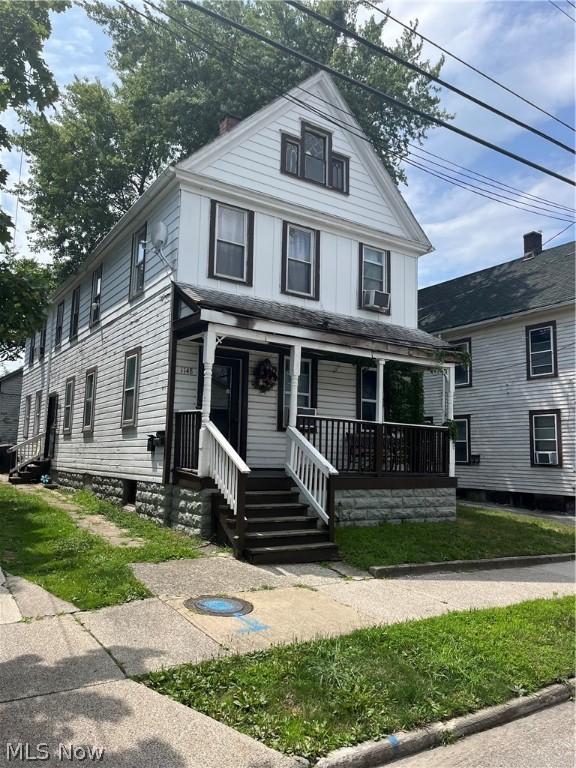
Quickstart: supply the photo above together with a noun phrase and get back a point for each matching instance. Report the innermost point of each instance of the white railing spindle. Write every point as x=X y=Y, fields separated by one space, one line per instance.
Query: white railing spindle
x=28 y=450
x=310 y=471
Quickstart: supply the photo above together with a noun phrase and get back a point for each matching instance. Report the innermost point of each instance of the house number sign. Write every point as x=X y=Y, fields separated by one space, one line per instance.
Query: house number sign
x=186 y=371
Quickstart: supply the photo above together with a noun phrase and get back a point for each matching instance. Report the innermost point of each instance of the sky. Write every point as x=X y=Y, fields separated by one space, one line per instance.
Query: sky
x=526 y=44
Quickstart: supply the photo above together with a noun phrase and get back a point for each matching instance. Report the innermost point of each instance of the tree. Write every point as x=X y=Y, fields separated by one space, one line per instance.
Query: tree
x=104 y=146
x=24 y=77
x=25 y=287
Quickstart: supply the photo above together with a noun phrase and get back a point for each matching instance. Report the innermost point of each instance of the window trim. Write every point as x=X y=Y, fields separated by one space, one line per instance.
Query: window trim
x=137 y=353
x=467 y=340
x=32 y=349
x=42 y=345
x=282 y=357
x=556 y=412
x=315 y=267
x=386 y=275
x=37 y=420
x=135 y=291
x=96 y=297
x=466 y=419
x=529 y=375
x=360 y=368
x=59 y=325
x=26 y=417
x=248 y=248
x=88 y=430
x=286 y=138
x=74 y=314
x=67 y=430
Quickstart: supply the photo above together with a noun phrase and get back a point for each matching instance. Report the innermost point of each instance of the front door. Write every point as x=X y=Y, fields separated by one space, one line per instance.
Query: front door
x=51 y=420
x=226 y=411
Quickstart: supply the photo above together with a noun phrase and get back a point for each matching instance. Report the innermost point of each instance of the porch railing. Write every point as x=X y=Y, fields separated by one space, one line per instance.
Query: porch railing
x=311 y=472
x=26 y=451
x=368 y=447
x=187 y=439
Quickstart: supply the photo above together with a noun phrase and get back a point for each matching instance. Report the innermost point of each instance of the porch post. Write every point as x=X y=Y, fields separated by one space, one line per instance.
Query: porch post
x=380 y=391
x=295 y=358
x=450 y=415
x=208 y=353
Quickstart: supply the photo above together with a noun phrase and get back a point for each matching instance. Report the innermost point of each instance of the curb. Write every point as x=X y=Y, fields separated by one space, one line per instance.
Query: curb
x=373 y=754
x=408 y=569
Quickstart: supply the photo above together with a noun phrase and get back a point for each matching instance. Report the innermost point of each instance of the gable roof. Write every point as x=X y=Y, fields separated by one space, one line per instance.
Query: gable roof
x=317 y=320
x=545 y=280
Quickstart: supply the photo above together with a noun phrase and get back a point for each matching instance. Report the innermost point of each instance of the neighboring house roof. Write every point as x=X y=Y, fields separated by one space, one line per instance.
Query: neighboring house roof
x=314 y=319
x=522 y=285
x=12 y=374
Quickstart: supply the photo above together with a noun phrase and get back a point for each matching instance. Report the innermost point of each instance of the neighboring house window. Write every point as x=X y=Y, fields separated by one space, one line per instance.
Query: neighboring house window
x=307 y=387
x=68 y=405
x=374 y=275
x=130 y=388
x=26 y=423
x=37 y=413
x=138 y=262
x=74 y=313
x=463 y=373
x=231 y=243
x=462 y=439
x=310 y=157
x=32 y=349
x=42 y=347
x=300 y=261
x=59 y=324
x=546 y=438
x=89 y=401
x=541 y=360
x=96 y=296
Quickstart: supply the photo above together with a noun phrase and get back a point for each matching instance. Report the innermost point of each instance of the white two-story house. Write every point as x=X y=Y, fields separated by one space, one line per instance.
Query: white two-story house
x=230 y=333
x=514 y=401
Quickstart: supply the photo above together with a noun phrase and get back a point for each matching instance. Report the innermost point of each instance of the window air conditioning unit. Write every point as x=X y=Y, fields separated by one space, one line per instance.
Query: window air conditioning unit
x=307 y=411
x=546 y=457
x=377 y=300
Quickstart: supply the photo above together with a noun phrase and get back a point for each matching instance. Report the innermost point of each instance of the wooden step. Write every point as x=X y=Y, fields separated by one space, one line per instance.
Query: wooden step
x=280 y=523
x=299 y=553
x=272 y=497
x=268 y=481
x=285 y=538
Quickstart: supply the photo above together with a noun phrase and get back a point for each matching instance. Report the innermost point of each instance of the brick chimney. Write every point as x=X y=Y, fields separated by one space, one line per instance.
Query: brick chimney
x=227 y=123
x=532 y=244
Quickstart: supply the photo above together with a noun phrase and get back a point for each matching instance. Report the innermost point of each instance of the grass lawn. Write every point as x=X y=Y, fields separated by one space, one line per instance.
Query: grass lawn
x=42 y=544
x=310 y=698
x=477 y=533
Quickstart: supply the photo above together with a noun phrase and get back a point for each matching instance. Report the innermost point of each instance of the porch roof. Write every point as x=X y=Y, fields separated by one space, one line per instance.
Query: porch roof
x=318 y=320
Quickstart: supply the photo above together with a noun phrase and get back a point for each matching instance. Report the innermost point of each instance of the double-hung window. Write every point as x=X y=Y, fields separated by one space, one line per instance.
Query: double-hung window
x=32 y=349
x=42 y=347
x=367 y=394
x=59 y=324
x=463 y=372
x=89 y=401
x=96 y=296
x=462 y=439
x=301 y=261
x=310 y=157
x=138 y=264
x=130 y=387
x=306 y=388
x=315 y=155
x=26 y=421
x=541 y=358
x=374 y=271
x=68 y=405
x=546 y=438
x=37 y=412
x=74 y=313
x=231 y=243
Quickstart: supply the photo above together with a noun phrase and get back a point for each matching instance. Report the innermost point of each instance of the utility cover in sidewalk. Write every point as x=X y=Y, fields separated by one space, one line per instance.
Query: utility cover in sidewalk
x=214 y=605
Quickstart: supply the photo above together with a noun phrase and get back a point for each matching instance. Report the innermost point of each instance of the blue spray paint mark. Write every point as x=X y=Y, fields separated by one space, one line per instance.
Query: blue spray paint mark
x=394 y=741
x=251 y=624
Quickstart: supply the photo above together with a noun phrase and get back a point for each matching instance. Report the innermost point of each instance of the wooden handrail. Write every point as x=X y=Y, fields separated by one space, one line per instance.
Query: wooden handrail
x=311 y=472
x=28 y=450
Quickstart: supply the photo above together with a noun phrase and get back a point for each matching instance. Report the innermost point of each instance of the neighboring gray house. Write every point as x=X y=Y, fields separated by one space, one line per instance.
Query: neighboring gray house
x=10 y=390
x=514 y=404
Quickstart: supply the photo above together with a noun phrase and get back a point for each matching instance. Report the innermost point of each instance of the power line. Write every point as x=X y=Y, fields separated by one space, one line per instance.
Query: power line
x=561 y=10
x=493 y=80
x=374 y=91
x=558 y=233
x=415 y=68
x=445 y=177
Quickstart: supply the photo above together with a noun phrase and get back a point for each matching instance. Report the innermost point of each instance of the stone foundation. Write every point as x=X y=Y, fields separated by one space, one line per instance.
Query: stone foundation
x=363 y=507
x=183 y=509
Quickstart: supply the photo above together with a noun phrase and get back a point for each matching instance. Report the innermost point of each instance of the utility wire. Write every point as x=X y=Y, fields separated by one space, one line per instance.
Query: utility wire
x=558 y=233
x=415 y=68
x=464 y=185
x=493 y=80
x=373 y=91
x=561 y=10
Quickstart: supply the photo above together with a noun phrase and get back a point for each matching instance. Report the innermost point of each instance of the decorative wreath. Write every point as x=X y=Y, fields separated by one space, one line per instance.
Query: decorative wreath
x=265 y=376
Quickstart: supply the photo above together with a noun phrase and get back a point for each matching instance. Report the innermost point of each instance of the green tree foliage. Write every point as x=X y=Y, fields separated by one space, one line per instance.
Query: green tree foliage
x=105 y=145
x=404 y=388
x=24 y=77
x=25 y=286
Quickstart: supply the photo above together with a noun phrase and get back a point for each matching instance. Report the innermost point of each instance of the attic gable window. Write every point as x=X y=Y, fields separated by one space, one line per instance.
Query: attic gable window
x=310 y=157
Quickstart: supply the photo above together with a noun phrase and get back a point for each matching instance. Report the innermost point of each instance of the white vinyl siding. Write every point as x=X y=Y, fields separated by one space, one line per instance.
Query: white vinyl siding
x=10 y=393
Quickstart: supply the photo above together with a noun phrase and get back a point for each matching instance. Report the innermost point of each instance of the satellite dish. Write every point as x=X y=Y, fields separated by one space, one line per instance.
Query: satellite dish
x=159 y=235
